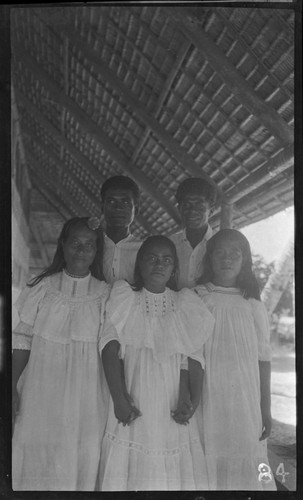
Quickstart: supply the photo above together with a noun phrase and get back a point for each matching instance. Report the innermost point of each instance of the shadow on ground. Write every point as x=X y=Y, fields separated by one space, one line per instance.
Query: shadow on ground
x=282 y=441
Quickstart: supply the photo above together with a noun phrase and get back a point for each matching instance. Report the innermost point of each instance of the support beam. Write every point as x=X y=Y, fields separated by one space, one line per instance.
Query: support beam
x=65 y=171
x=82 y=188
x=166 y=89
x=36 y=234
x=93 y=129
x=42 y=177
x=71 y=201
x=54 y=201
x=268 y=170
x=226 y=216
x=109 y=77
x=190 y=25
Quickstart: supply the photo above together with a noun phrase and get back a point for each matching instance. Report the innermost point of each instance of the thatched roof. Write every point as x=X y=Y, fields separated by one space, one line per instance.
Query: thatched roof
x=159 y=93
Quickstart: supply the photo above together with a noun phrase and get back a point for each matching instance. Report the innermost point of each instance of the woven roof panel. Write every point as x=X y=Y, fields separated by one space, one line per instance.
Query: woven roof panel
x=159 y=94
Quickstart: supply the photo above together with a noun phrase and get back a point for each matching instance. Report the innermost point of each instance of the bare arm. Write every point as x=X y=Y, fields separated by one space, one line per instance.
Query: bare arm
x=190 y=389
x=19 y=361
x=114 y=374
x=265 y=371
x=196 y=375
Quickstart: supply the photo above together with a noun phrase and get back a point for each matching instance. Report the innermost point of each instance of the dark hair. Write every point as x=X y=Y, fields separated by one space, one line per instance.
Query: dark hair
x=58 y=262
x=246 y=280
x=121 y=182
x=197 y=185
x=138 y=280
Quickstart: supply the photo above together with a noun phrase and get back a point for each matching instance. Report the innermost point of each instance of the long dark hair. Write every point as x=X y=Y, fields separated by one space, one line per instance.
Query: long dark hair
x=58 y=262
x=246 y=280
x=151 y=240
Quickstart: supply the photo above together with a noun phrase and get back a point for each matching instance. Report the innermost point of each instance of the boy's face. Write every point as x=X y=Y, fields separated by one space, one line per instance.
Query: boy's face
x=118 y=208
x=194 y=210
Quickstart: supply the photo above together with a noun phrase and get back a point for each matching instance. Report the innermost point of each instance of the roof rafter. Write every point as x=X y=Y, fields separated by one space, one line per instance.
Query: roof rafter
x=190 y=25
x=37 y=236
x=44 y=176
x=67 y=196
x=269 y=169
x=100 y=137
x=131 y=100
x=48 y=150
x=237 y=36
x=178 y=62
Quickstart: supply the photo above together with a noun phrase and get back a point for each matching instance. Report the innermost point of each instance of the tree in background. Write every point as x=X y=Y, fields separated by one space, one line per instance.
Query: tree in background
x=277 y=290
x=262 y=270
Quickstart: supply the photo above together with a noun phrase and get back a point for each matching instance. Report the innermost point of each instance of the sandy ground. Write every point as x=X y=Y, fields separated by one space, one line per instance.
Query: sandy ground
x=283 y=383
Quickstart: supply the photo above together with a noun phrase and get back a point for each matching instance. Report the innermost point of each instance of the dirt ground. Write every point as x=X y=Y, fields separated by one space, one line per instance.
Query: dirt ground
x=283 y=383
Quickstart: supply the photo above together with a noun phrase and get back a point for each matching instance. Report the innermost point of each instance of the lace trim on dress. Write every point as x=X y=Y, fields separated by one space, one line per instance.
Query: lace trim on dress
x=218 y=289
x=139 y=447
x=156 y=304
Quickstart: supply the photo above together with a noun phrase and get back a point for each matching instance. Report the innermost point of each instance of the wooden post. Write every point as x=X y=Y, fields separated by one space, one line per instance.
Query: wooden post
x=226 y=215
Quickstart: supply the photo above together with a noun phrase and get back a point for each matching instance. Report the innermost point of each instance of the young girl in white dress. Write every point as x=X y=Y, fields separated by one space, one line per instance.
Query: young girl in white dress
x=151 y=440
x=62 y=411
x=236 y=414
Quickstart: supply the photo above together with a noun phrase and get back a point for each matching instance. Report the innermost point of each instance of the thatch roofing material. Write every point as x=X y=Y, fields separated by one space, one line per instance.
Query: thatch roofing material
x=157 y=93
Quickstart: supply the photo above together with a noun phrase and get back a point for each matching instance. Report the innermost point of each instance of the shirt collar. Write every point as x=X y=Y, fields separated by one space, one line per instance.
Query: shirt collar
x=128 y=238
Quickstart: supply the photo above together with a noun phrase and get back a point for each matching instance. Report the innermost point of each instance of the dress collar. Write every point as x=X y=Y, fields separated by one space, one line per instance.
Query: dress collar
x=155 y=294
x=222 y=289
x=76 y=278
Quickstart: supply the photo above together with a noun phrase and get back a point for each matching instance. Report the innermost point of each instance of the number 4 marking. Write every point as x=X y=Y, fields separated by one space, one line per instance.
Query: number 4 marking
x=281 y=472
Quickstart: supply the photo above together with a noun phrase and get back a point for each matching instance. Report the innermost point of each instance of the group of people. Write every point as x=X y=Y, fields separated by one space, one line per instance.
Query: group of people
x=142 y=365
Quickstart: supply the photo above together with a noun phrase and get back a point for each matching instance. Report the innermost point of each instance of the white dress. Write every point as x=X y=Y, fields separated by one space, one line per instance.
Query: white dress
x=230 y=418
x=156 y=333
x=64 y=402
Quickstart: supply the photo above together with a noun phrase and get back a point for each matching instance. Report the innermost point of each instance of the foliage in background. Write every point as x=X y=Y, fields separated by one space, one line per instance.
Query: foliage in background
x=262 y=272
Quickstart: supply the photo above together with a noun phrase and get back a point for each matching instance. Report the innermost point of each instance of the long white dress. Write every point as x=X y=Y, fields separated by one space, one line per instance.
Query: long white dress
x=230 y=417
x=64 y=402
x=156 y=332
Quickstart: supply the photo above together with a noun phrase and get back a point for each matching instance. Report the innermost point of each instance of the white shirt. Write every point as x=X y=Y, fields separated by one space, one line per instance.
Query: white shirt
x=119 y=258
x=190 y=259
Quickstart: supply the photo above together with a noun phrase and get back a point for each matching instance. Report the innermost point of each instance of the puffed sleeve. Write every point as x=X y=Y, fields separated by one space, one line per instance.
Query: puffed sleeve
x=194 y=323
x=116 y=312
x=262 y=326
x=27 y=306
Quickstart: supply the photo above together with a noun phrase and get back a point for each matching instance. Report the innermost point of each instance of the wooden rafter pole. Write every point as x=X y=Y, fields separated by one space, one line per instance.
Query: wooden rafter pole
x=82 y=188
x=166 y=88
x=226 y=216
x=108 y=76
x=94 y=130
x=43 y=177
x=37 y=236
x=268 y=170
x=80 y=211
x=55 y=202
x=190 y=25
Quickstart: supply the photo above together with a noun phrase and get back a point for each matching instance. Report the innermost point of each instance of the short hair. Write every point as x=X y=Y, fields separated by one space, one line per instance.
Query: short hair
x=138 y=279
x=121 y=182
x=197 y=185
x=246 y=280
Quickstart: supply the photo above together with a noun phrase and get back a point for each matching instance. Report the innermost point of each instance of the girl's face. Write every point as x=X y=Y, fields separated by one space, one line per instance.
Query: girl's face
x=156 y=267
x=227 y=260
x=79 y=250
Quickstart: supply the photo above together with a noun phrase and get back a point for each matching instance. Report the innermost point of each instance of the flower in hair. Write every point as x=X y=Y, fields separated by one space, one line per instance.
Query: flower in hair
x=94 y=223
